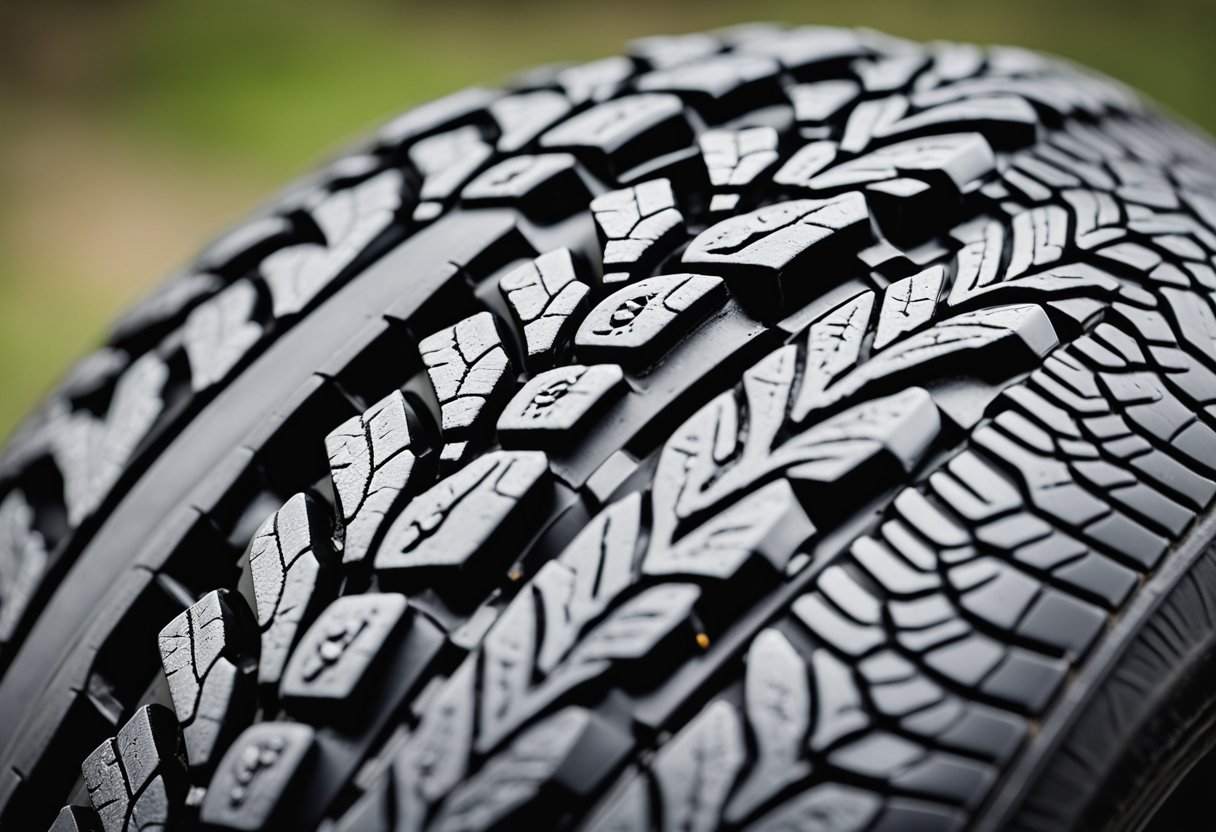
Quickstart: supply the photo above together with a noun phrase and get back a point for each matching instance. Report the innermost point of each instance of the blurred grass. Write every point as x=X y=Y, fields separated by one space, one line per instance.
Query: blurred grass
x=134 y=130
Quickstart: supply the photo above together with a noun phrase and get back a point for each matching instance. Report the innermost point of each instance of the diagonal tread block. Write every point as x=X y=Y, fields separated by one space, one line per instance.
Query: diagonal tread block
x=636 y=226
x=766 y=253
x=291 y=562
x=640 y=322
x=625 y=131
x=370 y=463
x=908 y=305
x=134 y=780
x=204 y=651
x=92 y=453
x=76 y=819
x=446 y=161
x=545 y=296
x=455 y=522
x=336 y=655
x=735 y=158
x=556 y=405
x=349 y=220
x=23 y=560
x=953 y=161
x=719 y=83
x=567 y=755
x=768 y=524
x=545 y=186
x=219 y=332
x=468 y=368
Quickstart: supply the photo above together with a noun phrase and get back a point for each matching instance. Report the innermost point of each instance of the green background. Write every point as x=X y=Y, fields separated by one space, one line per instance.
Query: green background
x=130 y=132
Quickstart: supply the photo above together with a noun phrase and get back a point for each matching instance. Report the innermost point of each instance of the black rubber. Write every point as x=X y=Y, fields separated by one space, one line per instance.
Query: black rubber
x=769 y=429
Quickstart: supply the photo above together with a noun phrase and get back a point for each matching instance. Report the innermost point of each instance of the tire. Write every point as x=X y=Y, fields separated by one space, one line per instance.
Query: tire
x=772 y=429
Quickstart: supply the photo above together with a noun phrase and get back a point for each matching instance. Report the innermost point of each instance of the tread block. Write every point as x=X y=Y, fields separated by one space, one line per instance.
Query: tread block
x=736 y=158
x=134 y=779
x=334 y=657
x=907 y=209
x=595 y=568
x=830 y=805
x=625 y=131
x=764 y=253
x=555 y=406
x=767 y=525
x=291 y=563
x=566 y=755
x=436 y=756
x=370 y=462
x=160 y=311
x=219 y=332
x=546 y=186
x=522 y=117
x=721 y=84
x=908 y=305
x=259 y=777
x=1007 y=122
x=469 y=369
x=457 y=108
x=806 y=162
x=204 y=652
x=818 y=102
x=637 y=226
x=889 y=74
x=640 y=322
x=663 y=51
x=349 y=220
x=952 y=162
x=833 y=347
x=234 y=251
x=76 y=819
x=545 y=297
x=777 y=697
x=92 y=453
x=595 y=80
x=1039 y=238
x=458 y=521
x=696 y=769
x=1018 y=333
x=23 y=560
x=807 y=47
x=690 y=477
x=98 y=369
x=445 y=162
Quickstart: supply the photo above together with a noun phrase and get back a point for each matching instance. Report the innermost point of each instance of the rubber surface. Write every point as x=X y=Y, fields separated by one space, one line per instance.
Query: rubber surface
x=769 y=429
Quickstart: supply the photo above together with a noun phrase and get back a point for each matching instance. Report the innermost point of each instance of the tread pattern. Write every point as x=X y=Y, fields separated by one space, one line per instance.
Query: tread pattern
x=556 y=404
x=92 y=452
x=24 y=554
x=637 y=226
x=371 y=463
x=207 y=653
x=555 y=567
x=451 y=525
x=469 y=370
x=348 y=221
x=134 y=780
x=290 y=562
x=545 y=297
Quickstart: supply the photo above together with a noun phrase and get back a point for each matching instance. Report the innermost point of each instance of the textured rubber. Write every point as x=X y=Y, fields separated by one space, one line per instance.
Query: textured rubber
x=770 y=429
